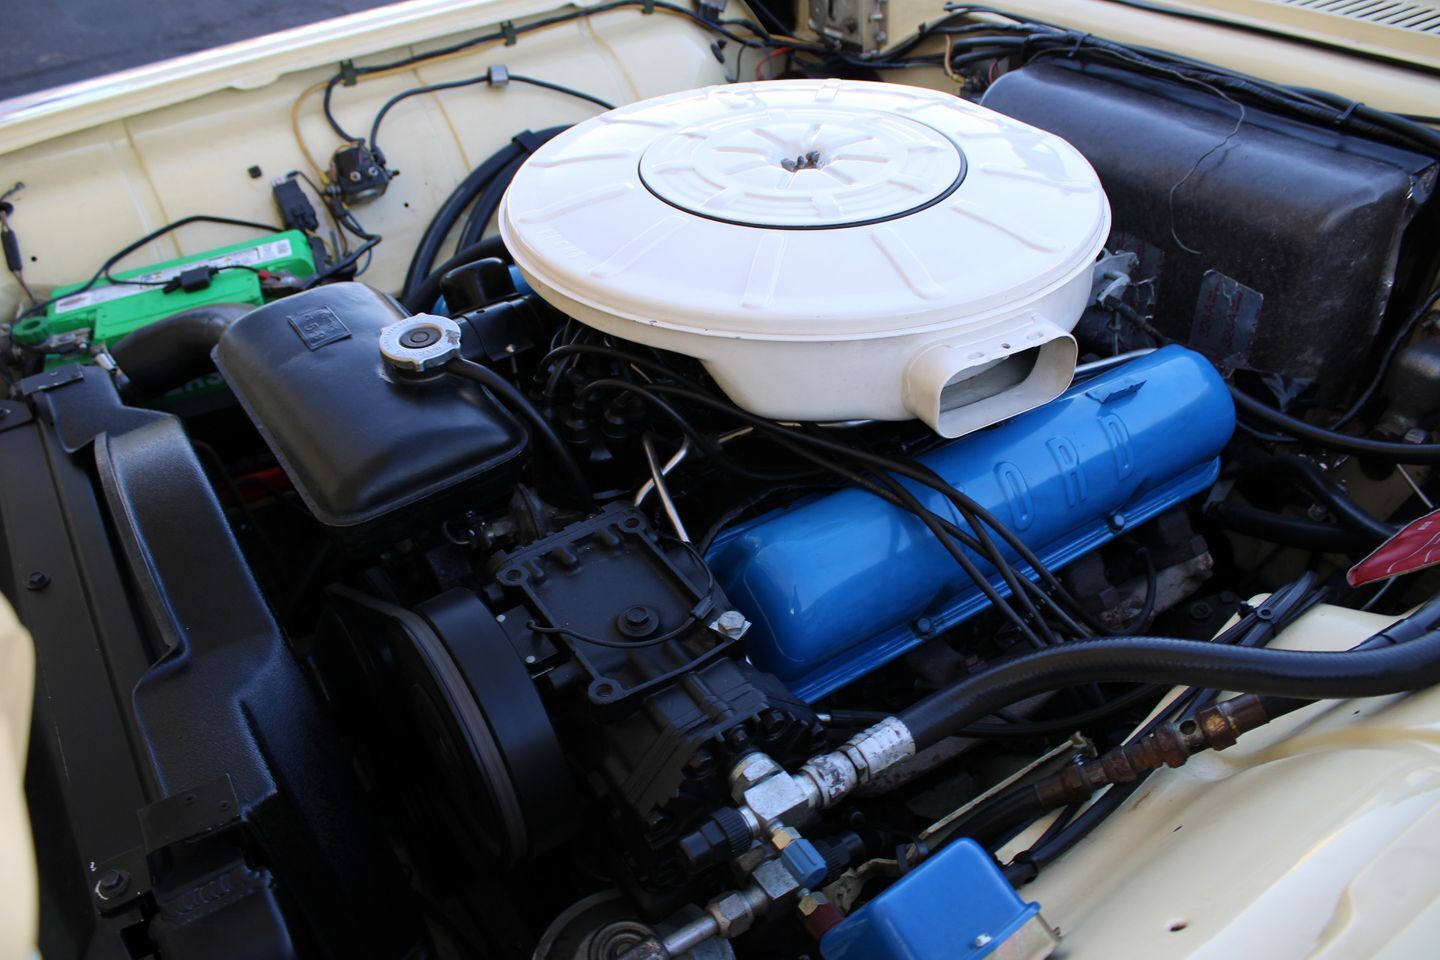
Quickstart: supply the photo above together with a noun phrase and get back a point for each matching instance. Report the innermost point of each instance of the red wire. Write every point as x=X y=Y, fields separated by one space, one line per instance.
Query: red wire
x=759 y=67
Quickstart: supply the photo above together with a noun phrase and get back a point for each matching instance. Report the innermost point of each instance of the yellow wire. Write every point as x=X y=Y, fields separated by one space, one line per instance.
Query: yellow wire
x=950 y=52
x=313 y=89
x=295 y=127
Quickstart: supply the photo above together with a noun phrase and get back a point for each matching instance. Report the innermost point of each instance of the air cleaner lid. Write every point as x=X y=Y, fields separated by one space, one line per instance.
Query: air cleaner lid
x=801 y=210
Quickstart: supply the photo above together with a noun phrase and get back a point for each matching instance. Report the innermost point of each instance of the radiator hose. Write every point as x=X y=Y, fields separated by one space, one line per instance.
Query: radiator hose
x=1403 y=657
x=171 y=352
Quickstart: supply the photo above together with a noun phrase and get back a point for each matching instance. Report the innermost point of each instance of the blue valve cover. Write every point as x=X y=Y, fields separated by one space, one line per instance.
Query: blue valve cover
x=954 y=906
x=838 y=585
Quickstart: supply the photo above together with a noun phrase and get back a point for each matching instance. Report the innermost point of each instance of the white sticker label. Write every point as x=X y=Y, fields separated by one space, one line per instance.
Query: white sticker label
x=260 y=253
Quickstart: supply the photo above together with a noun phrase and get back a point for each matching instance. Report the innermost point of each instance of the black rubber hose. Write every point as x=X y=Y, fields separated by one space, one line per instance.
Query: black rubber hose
x=520 y=147
x=518 y=403
x=1301 y=674
x=449 y=212
x=1065 y=724
x=1334 y=499
x=487 y=204
x=1027 y=866
x=1289 y=531
x=424 y=296
x=1397 y=342
x=999 y=816
x=1426 y=453
x=171 y=352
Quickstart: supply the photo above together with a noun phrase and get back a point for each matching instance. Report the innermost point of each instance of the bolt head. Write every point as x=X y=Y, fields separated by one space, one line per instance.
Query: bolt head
x=732 y=624
x=982 y=940
x=752 y=770
x=111 y=884
x=37 y=581
x=737 y=738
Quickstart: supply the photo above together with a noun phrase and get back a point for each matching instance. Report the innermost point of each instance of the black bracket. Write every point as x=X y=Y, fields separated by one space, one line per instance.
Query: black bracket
x=190 y=814
x=13 y=414
x=49 y=380
x=116 y=884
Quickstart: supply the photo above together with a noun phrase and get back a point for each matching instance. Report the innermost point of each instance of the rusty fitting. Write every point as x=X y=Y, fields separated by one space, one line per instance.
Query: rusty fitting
x=1222 y=723
x=1215 y=727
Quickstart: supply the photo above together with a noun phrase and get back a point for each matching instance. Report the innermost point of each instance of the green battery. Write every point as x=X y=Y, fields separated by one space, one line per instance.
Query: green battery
x=109 y=311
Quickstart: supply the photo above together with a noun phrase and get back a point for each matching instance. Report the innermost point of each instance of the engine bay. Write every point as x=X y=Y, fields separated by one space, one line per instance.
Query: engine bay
x=777 y=518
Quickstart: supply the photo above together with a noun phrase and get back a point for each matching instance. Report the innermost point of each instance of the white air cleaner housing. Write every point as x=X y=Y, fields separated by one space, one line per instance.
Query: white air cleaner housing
x=829 y=249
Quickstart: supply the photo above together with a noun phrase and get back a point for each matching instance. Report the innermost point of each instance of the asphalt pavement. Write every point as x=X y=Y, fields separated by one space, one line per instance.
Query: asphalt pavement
x=48 y=44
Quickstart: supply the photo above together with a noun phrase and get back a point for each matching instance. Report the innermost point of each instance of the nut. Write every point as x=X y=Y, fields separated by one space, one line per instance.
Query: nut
x=775 y=880
x=112 y=884
x=782 y=838
x=751 y=770
x=733 y=914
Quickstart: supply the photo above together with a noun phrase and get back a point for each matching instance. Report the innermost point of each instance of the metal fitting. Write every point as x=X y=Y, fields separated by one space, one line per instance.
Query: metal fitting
x=1215 y=727
x=1222 y=723
x=859 y=760
x=768 y=797
x=736 y=912
x=777 y=801
x=775 y=881
x=782 y=838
